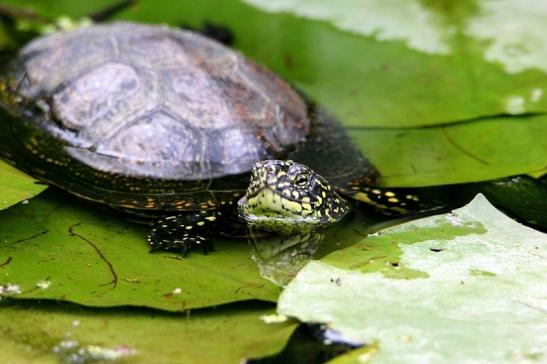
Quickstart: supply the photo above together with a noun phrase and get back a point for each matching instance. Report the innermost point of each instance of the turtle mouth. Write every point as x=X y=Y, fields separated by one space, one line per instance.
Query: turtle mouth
x=266 y=191
x=267 y=209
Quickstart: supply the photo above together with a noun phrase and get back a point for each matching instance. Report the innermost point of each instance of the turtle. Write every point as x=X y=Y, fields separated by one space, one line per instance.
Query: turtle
x=180 y=130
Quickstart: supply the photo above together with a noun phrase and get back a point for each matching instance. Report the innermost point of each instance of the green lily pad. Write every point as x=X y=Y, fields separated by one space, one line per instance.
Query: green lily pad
x=88 y=256
x=53 y=10
x=480 y=294
x=361 y=355
x=15 y=186
x=46 y=333
x=538 y=174
x=466 y=152
x=381 y=63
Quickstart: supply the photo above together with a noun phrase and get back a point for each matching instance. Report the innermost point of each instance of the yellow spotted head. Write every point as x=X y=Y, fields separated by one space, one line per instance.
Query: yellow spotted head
x=287 y=196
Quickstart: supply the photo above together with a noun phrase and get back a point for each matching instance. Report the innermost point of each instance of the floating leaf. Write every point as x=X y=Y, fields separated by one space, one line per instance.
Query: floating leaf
x=15 y=186
x=466 y=152
x=372 y=62
x=43 y=333
x=538 y=174
x=401 y=63
x=361 y=355
x=58 y=8
x=468 y=286
x=52 y=248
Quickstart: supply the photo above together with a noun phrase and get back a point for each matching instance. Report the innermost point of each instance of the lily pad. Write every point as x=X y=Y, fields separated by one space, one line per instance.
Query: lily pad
x=466 y=152
x=15 y=186
x=86 y=255
x=361 y=355
x=375 y=62
x=53 y=10
x=480 y=294
x=47 y=333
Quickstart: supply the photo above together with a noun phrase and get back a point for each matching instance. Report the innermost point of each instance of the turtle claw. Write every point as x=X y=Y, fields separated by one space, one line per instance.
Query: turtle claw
x=182 y=247
x=171 y=246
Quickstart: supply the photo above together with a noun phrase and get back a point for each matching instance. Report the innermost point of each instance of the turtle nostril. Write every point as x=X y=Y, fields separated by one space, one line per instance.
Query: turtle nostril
x=270 y=169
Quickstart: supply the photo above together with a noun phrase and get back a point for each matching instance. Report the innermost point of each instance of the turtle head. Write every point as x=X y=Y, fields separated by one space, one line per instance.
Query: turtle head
x=287 y=196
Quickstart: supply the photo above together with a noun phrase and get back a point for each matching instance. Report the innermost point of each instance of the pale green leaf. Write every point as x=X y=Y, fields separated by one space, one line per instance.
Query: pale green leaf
x=478 y=294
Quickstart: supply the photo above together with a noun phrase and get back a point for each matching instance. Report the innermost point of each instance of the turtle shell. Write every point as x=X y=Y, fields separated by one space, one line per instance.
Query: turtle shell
x=144 y=116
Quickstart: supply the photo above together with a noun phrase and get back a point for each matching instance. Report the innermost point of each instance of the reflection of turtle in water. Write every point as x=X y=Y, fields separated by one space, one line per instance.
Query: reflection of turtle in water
x=168 y=124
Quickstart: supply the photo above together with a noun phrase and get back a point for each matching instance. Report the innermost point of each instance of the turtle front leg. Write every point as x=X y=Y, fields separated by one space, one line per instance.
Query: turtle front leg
x=183 y=232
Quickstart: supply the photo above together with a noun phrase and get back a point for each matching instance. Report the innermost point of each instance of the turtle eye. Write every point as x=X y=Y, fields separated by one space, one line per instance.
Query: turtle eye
x=301 y=180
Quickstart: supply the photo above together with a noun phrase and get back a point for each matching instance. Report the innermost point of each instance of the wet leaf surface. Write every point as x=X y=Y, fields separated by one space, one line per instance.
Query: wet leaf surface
x=403 y=69
x=87 y=256
x=54 y=9
x=15 y=186
x=460 y=153
x=361 y=355
x=467 y=286
x=47 y=333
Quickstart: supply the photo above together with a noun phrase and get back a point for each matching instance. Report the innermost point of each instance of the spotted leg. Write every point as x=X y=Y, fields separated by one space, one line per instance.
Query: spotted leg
x=389 y=201
x=184 y=232
x=400 y=201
